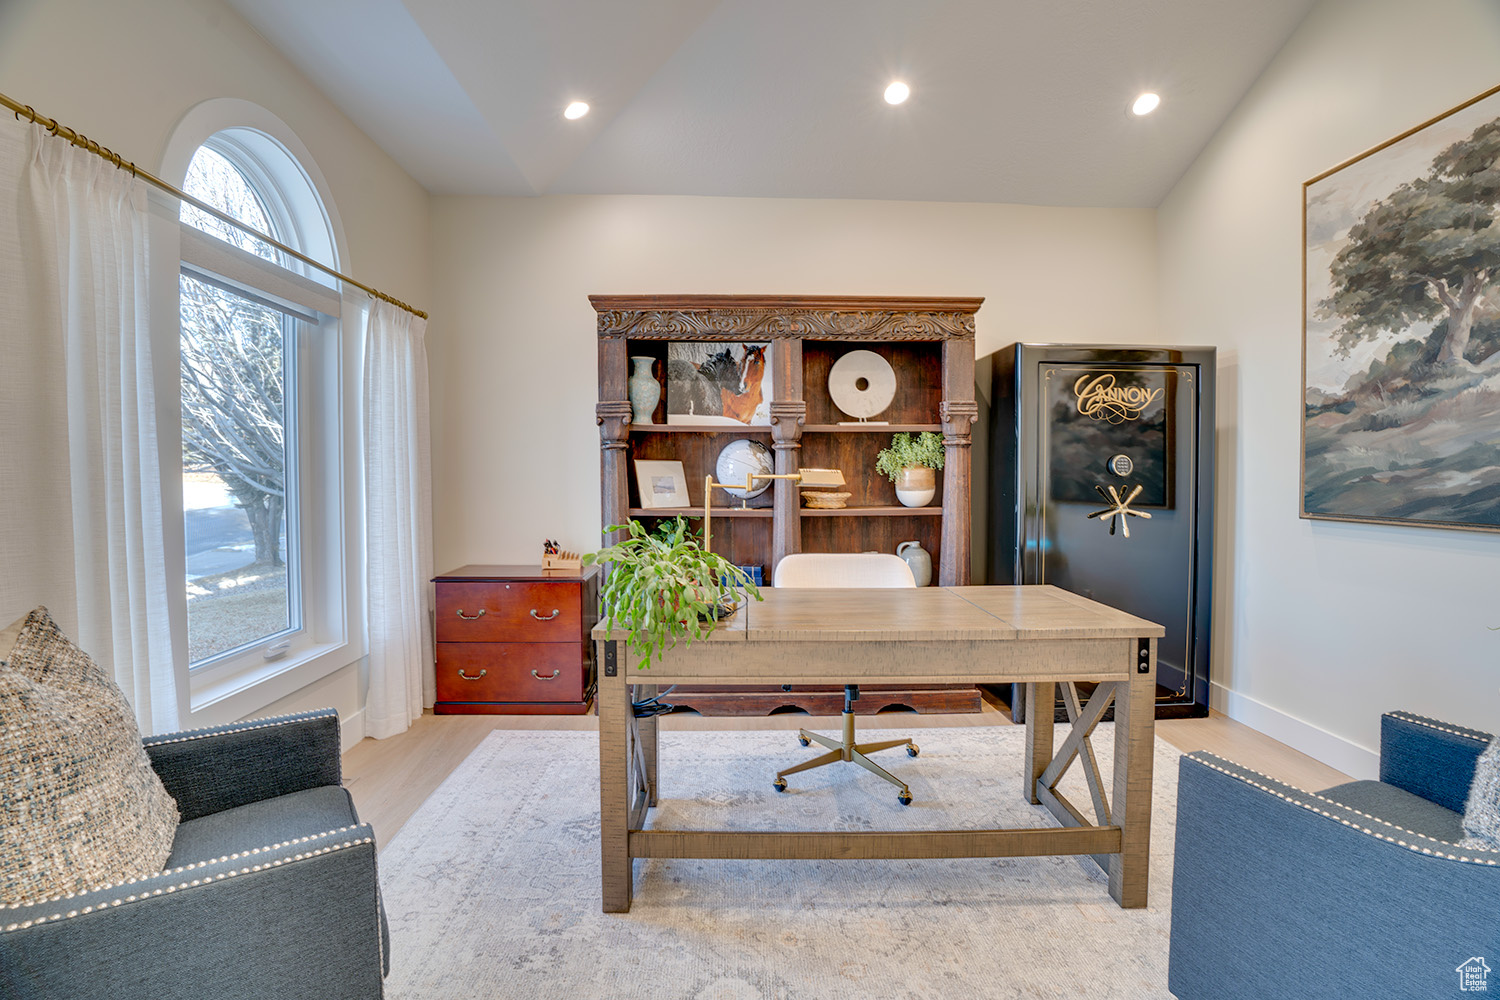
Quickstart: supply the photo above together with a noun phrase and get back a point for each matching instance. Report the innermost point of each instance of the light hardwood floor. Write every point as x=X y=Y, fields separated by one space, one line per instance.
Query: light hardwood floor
x=390 y=778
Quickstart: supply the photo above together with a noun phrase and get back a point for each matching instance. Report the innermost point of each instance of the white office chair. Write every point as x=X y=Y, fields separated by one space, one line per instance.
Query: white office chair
x=846 y=570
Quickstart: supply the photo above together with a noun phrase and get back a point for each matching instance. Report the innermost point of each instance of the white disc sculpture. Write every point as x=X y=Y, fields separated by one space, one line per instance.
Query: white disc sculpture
x=862 y=384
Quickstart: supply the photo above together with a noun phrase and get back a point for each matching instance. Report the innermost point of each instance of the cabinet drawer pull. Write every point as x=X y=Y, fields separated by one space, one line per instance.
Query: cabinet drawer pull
x=541 y=678
x=468 y=678
x=470 y=618
x=540 y=618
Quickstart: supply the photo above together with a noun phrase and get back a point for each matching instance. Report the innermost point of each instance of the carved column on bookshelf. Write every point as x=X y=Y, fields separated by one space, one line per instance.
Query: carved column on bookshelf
x=957 y=415
x=613 y=416
x=787 y=418
x=958 y=411
x=788 y=414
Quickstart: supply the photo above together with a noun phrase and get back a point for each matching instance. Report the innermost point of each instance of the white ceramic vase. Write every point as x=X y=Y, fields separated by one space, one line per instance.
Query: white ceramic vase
x=645 y=391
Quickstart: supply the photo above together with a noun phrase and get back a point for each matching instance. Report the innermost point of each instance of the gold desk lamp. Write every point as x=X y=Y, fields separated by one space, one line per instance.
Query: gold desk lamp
x=807 y=477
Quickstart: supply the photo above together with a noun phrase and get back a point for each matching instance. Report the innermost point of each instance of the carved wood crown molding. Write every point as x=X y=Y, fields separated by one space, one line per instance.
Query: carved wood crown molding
x=751 y=319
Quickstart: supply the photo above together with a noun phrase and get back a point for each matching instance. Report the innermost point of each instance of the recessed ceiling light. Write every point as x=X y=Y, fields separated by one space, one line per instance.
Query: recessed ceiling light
x=1145 y=104
x=897 y=92
x=576 y=110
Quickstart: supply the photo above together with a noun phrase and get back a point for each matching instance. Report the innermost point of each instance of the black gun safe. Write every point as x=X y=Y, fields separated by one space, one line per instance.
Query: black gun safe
x=1101 y=482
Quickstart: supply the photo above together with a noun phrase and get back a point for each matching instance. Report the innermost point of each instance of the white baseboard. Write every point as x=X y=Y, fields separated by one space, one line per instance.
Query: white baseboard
x=1319 y=744
x=351 y=730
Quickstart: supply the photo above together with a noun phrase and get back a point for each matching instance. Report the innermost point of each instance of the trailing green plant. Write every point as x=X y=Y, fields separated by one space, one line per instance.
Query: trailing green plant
x=925 y=449
x=662 y=588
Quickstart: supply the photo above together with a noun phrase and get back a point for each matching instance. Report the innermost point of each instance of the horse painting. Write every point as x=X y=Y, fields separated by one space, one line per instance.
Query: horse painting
x=718 y=383
x=741 y=405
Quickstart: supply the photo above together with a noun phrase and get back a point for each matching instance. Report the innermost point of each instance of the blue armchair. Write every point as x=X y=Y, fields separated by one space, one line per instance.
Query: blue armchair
x=270 y=891
x=1360 y=890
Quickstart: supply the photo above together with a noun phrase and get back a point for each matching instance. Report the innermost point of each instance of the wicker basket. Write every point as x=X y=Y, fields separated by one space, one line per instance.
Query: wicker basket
x=824 y=501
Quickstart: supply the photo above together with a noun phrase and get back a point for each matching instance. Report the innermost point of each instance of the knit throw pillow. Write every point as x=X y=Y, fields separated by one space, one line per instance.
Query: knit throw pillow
x=80 y=806
x=1482 y=813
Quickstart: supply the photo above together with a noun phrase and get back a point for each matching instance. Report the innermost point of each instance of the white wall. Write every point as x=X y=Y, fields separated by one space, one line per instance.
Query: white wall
x=1322 y=626
x=514 y=358
x=124 y=72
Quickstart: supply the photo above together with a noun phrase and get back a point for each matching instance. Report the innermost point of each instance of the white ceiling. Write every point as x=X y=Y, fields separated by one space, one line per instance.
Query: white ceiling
x=1016 y=101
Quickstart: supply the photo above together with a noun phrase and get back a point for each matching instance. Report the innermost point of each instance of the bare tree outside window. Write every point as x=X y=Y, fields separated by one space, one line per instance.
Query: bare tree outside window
x=235 y=440
x=233 y=420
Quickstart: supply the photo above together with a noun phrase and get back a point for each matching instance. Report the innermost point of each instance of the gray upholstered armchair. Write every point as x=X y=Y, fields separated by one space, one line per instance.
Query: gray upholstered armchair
x=270 y=891
x=1360 y=890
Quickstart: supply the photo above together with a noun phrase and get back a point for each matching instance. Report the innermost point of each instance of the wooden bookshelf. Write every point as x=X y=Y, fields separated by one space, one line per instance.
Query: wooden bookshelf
x=928 y=341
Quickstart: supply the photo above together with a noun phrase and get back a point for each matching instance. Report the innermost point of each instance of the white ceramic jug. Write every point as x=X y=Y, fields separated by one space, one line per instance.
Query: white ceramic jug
x=918 y=559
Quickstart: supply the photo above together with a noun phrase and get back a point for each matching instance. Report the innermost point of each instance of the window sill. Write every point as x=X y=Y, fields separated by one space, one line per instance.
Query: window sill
x=234 y=698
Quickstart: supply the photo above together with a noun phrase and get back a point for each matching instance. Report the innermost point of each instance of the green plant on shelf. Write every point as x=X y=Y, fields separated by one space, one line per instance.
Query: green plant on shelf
x=925 y=450
x=661 y=588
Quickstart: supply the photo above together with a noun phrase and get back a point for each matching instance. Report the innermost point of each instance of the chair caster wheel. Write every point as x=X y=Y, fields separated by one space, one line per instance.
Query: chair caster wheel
x=804 y=741
x=904 y=798
x=779 y=784
x=912 y=750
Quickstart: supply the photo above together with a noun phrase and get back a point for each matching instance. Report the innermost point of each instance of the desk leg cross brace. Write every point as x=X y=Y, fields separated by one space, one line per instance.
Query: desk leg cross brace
x=1135 y=708
x=1078 y=747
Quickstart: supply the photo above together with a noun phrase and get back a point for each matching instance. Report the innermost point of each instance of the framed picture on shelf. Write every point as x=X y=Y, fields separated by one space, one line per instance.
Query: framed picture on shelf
x=718 y=383
x=662 y=483
x=1401 y=335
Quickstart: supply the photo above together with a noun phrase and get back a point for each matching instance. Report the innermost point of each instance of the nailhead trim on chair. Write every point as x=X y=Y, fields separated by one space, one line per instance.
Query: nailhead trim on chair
x=188 y=885
x=1415 y=848
x=266 y=723
x=1302 y=791
x=184 y=868
x=1441 y=727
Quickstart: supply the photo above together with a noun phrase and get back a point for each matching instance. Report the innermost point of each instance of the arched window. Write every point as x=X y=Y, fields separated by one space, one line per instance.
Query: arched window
x=213 y=177
x=260 y=357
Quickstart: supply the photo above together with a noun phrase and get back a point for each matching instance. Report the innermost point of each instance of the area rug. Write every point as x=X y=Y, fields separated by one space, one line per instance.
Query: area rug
x=492 y=887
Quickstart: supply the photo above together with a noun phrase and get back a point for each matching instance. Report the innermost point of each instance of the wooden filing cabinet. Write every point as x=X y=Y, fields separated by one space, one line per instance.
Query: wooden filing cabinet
x=514 y=640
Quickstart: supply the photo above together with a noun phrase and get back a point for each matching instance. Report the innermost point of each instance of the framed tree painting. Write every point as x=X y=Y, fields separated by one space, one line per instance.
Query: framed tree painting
x=1401 y=328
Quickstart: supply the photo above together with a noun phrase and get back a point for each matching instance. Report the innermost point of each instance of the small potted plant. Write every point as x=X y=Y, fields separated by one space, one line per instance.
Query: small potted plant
x=663 y=588
x=910 y=463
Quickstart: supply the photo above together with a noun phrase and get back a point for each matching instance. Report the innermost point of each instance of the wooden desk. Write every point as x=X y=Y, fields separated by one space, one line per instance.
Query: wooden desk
x=1041 y=636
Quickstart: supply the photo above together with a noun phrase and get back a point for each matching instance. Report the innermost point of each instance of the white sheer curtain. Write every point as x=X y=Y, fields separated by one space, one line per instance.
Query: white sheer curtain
x=398 y=519
x=80 y=512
